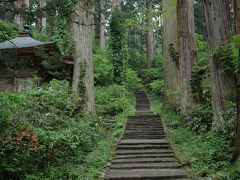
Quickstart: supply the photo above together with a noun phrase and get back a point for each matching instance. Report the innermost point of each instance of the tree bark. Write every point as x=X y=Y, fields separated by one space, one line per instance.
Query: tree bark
x=150 y=49
x=237 y=20
x=187 y=46
x=18 y=18
x=102 y=26
x=82 y=32
x=237 y=15
x=218 y=30
x=43 y=19
x=116 y=3
x=170 y=63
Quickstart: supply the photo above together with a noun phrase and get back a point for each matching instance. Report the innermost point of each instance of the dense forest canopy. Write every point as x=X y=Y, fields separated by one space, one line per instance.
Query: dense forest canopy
x=61 y=119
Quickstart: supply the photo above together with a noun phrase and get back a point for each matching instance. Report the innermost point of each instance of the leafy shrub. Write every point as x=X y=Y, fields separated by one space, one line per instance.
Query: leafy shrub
x=199 y=119
x=111 y=100
x=152 y=74
x=137 y=60
x=200 y=72
x=103 y=68
x=8 y=30
x=44 y=128
x=131 y=80
x=157 y=87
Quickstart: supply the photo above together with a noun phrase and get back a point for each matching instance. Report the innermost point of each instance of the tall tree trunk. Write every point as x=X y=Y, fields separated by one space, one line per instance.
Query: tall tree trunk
x=171 y=59
x=187 y=46
x=237 y=20
x=218 y=30
x=102 y=26
x=150 y=50
x=116 y=3
x=82 y=33
x=18 y=18
x=43 y=19
x=237 y=15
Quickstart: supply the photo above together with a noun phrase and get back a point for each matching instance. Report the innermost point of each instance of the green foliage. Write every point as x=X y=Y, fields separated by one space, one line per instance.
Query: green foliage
x=50 y=60
x=206 y=153
x=44 y=128
x=62 y=36
x=154 y=73
x=103 y=68
x=199 y=118
x=7 y=31
x=96 y=161
x=235 y=45
x=200 y=73
x=137 y=60
x=111 y=100
x=39 y=35
x=131 y=80
x=118 y=44
x=157 y=87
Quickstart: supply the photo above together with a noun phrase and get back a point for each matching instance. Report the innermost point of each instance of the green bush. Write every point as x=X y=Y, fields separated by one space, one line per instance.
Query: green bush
x=111 y=100
x=157 y=87
x=207 y=154
x=7 y=31
x=131 y=80
x=152 y=74
x=137 y=60
x=199 y=119
x=44 y=128
x=103 y=68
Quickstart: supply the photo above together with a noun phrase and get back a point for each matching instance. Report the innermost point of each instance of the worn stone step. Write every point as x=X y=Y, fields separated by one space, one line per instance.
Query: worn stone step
x=160 y=174
x=144 y=117
x=165 y=165
x=145 y=124
x=144 y=141
x=142 y=135
x=144 y=160
x=142 y=131
x=147 y=133
x=144 y=151
x=145 y=120
x=132 y=156
x=143 y=147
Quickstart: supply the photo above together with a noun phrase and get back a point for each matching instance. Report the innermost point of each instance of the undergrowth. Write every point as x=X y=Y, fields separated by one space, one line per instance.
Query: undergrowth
x=204 y=154
x=46 y=133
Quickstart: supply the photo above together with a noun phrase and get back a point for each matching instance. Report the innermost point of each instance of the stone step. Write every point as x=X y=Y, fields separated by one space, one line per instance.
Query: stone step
x=145 y=124
x=144 y=141
x=144 y=117
x=143 y=147
x=148 y=132
x=144 y=160
x=144 y=151
x=144 y=137
x=147 y=174
x=133 y=156
x=143 y=129
x=163 y=165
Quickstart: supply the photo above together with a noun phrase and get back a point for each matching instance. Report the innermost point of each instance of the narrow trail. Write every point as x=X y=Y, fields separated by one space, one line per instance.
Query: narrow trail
x=144 y=152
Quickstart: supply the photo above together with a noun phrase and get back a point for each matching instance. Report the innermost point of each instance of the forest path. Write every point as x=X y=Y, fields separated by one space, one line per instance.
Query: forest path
x=144 y=152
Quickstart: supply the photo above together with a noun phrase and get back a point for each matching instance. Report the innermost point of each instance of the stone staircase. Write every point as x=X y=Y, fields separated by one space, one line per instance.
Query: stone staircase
x=144 y=152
